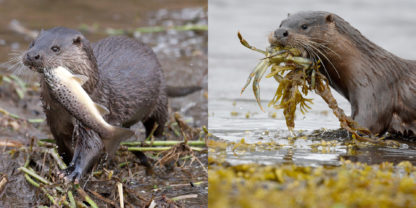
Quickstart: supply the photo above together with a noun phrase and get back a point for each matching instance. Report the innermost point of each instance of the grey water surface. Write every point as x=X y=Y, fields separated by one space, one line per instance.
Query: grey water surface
x=390 y=24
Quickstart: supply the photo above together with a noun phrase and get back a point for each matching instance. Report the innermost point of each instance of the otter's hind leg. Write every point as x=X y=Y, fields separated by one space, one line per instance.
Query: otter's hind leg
x=159 y=116
x=64 y=143
x=88 y=149
x=149 y=125
x=63 y=149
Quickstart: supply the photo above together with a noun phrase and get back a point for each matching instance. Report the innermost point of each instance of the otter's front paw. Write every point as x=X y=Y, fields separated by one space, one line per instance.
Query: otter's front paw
x=71 y=174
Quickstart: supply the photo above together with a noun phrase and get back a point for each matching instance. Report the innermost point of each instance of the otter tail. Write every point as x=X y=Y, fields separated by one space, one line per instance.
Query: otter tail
x=181 y=91
x=116 y=135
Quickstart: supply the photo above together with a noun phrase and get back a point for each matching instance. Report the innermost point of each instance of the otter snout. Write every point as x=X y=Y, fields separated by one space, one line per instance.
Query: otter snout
x=279 y=37
x=33 y=59
x=281 y=33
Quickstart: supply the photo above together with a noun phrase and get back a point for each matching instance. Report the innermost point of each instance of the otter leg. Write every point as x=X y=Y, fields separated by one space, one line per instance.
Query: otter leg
x=88 y=148
x=149 y=124
x=159 y=116
x=63 y=149
x=63 y=138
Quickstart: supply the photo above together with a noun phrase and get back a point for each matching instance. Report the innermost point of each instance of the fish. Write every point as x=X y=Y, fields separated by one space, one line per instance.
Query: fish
x=66 y=88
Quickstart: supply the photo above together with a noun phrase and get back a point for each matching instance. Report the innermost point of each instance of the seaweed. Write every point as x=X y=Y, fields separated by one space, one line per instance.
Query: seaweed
x=296 y=76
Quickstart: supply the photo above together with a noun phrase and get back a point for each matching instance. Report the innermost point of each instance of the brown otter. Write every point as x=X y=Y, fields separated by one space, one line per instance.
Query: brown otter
x=378 y=84
x=124 y=75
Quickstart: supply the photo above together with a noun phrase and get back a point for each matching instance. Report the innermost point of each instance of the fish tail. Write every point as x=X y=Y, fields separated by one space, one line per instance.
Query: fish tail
x=117 y=135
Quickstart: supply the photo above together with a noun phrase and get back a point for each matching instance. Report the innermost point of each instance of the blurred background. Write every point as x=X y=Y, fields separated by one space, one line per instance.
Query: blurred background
x=175 y=29
x=390 y=24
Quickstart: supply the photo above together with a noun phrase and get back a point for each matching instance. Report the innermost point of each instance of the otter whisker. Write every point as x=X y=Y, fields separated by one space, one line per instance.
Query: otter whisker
x=323 y=66
x=330 y=62
x=14 y=61
x=311 y=49
x=319 y=58
x=319 y=45
x=16 y=67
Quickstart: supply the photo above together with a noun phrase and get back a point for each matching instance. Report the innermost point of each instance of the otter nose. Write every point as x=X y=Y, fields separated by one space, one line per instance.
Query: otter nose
x=281 y=33
x=32 y=58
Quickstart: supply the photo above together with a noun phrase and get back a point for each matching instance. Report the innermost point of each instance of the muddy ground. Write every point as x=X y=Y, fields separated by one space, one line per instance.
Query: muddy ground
x=183 y=55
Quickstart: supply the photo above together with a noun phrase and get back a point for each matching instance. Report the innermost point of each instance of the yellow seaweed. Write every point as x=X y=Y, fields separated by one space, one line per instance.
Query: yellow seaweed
x=296 y=76
x=287 y=185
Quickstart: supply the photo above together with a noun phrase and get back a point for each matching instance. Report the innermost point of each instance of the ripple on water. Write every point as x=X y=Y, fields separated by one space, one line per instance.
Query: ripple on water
x=233 y=117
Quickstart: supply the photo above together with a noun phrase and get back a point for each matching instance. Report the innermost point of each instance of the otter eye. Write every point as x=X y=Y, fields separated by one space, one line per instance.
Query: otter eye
x=304 y=27
x=55 y=49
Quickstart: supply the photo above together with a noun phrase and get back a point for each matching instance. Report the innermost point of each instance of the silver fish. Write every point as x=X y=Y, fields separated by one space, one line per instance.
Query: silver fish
x=67 y=89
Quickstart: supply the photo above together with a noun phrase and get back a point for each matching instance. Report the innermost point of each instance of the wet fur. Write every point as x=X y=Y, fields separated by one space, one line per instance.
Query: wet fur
x=124 y=76
x=379 y=85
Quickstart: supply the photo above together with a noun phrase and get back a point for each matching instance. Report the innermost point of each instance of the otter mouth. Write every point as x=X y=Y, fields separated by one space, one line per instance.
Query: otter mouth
x=275 y=43
x=303 y=53
x=32 y=68
x=37 y=69
x=32 y=64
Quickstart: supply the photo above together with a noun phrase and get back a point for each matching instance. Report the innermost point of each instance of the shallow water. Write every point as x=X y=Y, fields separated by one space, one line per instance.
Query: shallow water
x=387 y=23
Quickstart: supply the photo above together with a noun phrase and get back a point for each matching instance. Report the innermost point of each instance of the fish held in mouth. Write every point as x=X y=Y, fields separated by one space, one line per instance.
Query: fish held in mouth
x=66 y=88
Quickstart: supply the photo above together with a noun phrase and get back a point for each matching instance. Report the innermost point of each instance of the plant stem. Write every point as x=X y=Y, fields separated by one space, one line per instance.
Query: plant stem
x=163 y=143
x=3 y=182
x=120 y=193
x=50 y=197
x=86 y=197
x=71 y=200
x=34 y=175
x=144 y=149
x=54 y=153
x=31 y=181
x=155 y=29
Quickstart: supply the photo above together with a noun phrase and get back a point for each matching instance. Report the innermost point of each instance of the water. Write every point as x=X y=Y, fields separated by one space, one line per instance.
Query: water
x=387 y=23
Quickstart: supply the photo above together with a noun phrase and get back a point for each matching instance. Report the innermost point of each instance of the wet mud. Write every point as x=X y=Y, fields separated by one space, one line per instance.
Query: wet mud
x=24 y=134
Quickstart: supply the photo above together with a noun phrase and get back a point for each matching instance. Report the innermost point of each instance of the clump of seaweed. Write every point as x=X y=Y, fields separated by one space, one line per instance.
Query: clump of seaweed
x=297 y=76
x=287 y=185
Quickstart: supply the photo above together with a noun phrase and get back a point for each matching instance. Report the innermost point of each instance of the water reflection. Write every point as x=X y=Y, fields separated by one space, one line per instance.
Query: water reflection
x=233 y=117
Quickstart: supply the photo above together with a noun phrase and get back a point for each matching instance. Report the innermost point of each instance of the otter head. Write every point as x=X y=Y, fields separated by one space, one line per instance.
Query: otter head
x=303 y=30
x=60 y=46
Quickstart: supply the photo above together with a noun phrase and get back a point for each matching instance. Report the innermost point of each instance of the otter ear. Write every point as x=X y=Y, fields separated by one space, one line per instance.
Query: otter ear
x=288 y=14
x=329 y=18
x=77 y=40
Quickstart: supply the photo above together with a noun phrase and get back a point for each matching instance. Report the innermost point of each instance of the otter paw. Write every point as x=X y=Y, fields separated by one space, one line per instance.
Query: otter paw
x=70 y=175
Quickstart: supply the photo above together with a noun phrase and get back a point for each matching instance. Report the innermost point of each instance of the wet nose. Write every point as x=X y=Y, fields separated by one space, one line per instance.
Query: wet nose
x=33 y=58
x=281 y=33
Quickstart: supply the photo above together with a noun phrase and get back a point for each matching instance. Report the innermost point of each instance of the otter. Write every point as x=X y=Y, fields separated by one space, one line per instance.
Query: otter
x=378 y=84
x=124 y=75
